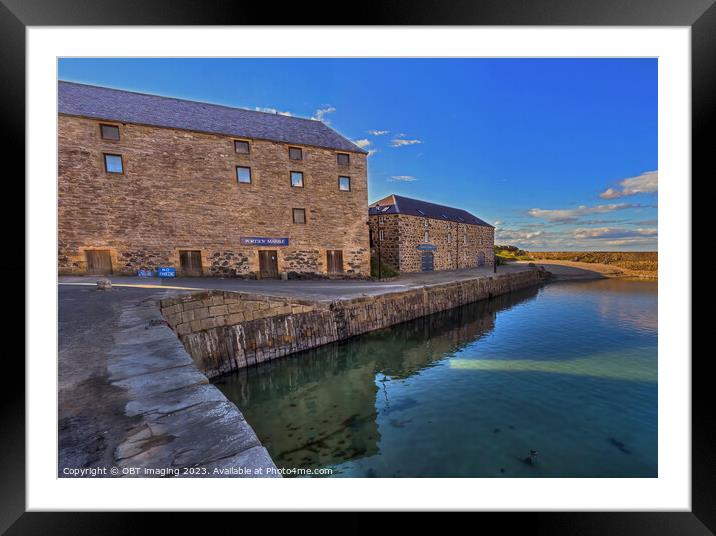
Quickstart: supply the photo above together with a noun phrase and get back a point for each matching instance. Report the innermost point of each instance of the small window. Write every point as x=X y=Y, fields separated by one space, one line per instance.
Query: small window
x=113 y=163
x=295 y=153
x=381 y=220
x=296 y=179
x=380 y=234
x=243 y=174
x=343 y=159
x=299 y=215
x=344 y=184
x=449 y=237
x=109 y=132
x=427 y=237
x=241 y=146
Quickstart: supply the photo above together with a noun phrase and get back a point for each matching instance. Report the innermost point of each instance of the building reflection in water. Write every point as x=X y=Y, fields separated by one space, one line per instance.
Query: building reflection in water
x=318 y=407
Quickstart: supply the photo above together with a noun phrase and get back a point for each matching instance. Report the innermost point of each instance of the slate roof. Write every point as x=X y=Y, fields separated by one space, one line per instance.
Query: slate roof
x=129 y=107
x=397 y=204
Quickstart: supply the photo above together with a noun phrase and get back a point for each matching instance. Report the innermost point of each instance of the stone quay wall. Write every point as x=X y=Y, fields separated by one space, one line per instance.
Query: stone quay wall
x=226 y=331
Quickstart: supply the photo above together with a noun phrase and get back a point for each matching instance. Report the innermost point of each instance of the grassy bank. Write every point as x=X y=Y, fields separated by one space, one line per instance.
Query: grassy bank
x=637 y=264
x=639 y=261
x=641 y=264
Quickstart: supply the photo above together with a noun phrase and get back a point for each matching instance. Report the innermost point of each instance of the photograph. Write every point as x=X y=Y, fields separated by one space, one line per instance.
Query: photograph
x=357 y=267
x=435 y=258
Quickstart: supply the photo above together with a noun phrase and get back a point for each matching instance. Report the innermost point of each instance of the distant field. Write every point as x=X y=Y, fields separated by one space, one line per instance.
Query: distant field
x=638 y=261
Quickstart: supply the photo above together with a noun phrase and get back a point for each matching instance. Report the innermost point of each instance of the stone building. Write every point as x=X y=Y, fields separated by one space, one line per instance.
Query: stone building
x=148 y=181
x=414 y=236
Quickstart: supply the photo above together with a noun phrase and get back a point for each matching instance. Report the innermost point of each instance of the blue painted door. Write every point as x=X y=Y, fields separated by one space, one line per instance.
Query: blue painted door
x=427 y=261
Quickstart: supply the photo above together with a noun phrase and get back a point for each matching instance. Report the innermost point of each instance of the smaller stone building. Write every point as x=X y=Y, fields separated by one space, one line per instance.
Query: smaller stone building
x=414 y=236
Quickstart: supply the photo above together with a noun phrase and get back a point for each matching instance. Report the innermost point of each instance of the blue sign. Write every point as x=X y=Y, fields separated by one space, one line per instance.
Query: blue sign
x=145 y=273
x=166 y=271
x=426 y=247
x=263 y=241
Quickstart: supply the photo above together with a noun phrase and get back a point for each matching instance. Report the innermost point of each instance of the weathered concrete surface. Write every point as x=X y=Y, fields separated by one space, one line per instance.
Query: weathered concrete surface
x=131 y=397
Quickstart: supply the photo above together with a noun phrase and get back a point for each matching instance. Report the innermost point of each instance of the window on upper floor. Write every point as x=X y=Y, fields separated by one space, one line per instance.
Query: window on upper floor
x=380 y=234
x=344 y=184
x=426 y=237
x=243 y=174
x=297 y=179
x=295 y=153
x=449 y=237
x=109 y=132
x=299 y=215
x=113 y=163
x=343 y=159
x=242 y=146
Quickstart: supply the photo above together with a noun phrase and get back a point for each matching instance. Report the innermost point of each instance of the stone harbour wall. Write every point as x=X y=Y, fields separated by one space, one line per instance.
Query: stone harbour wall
x=225 y=331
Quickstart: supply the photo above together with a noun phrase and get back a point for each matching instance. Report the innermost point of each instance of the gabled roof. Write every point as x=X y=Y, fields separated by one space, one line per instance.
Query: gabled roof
x=397 y=204
x=129 y=107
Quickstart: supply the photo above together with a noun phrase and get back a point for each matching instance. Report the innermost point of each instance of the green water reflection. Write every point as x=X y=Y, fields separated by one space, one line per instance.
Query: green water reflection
x=569 y=370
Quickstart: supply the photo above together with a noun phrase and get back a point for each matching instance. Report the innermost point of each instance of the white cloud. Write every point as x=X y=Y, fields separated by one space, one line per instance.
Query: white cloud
x=612 y=233
x=362 y=143
x=321 y=113
x=646 y=183
x=402 y=178
x=272 y=111
x=378 y=132
x=572 y=214
x=371 y=152
x=511 y=234
x=401 y=142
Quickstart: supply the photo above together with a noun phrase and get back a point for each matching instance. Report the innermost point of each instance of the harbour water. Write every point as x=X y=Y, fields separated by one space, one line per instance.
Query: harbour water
x=568 y=370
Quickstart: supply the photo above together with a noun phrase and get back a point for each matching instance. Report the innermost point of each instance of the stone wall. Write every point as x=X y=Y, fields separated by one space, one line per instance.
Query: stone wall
x=457 y=244
x=390 y=243
x=179 y=192
x=225 y=331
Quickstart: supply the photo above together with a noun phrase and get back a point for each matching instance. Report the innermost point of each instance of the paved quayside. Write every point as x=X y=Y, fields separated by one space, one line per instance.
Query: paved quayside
x=323 y=289
x=131 y=397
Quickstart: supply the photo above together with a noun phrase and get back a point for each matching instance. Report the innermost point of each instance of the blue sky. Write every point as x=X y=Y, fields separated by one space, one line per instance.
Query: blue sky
x=558 y=154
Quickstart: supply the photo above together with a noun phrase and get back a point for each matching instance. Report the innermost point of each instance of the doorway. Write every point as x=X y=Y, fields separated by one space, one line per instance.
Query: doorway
x=334 y=261
x=427 y=261
x=99 y=262
x=481 y=258
x=190 y=262
x=268 y=264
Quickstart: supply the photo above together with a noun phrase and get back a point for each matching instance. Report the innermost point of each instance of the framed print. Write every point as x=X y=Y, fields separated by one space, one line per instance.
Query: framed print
x=435 y=258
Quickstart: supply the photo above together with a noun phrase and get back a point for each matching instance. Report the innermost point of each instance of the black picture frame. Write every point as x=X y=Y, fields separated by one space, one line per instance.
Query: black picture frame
x=699 y=15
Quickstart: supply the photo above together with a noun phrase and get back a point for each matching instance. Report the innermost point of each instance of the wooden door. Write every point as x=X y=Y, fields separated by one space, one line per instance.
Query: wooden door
x=268 y=264
x=427 y=262
x=190 y=262
x=99 y=262
x=481 y=258
x=334 y=261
